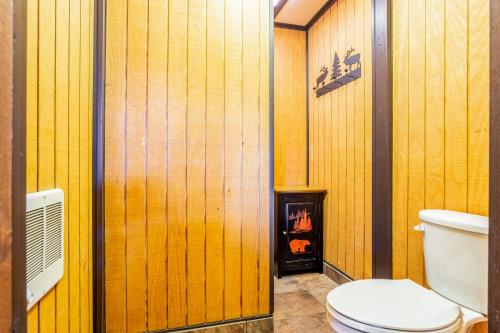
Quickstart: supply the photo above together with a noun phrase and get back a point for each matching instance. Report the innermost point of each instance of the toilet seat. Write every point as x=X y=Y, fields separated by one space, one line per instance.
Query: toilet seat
x=380 y=306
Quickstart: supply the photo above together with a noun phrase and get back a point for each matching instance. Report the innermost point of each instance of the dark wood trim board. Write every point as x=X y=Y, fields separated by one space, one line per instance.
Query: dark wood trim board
x=494 y=181
x=271 y=157
x=278 y=8
x=382 y=140
x=13 y=314
x=98 y=167
x=289 y=26
x=19 y=323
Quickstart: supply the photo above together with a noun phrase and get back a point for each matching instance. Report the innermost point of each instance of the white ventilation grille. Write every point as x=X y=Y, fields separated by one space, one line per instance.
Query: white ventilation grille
x=44 y=242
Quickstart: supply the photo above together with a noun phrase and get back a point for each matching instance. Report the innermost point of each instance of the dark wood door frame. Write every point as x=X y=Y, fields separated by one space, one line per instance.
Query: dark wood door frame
x=98 y=166
x=382 y=140
x=494 y=195
x=13 y=165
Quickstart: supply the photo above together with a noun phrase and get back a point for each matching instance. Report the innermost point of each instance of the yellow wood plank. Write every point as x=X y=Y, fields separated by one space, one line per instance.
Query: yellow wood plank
x=301 y=115
x=177 y=112
x=114 y=173
x=90 y=179
x=416 y=133
x=434 y=103
x=368 y=139
x=74 y=167
x=350 y=207
x=264 y=214
x=233 y=159
x=32 y=119
x=90 y=161
x=250 y=164
x=333 y=191
x=85 y=219
x=280 y=66
x=136 y=164
x=197 y=63
x=456 y=105
x=327 y=121
x=320 y=120
x=32 y=97
x=46 y=131
x=400 y=141
x=478 y=107
x=359 y=146
x=62 y=149
x=342 y=185
x=215 y=162
x=313 y=71
x=156 y=165
x=283 y=65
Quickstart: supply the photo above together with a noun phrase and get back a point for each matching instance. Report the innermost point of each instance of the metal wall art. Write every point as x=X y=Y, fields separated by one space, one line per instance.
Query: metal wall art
x=351 y=72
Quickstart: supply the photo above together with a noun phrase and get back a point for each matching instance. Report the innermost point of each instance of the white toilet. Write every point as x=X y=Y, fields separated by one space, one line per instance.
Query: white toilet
x=456 y=267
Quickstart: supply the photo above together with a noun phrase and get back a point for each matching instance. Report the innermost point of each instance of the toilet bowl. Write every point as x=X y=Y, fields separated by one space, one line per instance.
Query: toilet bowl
x=381 y=306
x=455 y=255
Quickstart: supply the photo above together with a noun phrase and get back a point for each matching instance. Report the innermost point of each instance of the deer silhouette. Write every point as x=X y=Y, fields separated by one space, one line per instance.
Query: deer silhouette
x=321 y=79
x=351 y=60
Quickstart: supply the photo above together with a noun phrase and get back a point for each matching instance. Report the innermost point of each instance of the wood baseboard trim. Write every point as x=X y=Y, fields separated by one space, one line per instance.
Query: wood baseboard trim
x=334 y=274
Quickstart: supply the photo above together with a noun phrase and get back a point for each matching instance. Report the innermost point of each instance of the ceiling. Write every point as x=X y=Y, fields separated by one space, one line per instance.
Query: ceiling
x=299 y=12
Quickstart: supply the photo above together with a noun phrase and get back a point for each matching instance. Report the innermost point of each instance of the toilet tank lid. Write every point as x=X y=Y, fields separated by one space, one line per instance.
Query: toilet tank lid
x=457 y=220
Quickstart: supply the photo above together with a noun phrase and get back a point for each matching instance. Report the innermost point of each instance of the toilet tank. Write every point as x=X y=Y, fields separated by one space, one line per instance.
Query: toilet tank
x=456 y=256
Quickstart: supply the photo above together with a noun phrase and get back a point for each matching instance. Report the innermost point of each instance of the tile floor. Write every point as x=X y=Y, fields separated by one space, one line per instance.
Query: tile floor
x=299 y=303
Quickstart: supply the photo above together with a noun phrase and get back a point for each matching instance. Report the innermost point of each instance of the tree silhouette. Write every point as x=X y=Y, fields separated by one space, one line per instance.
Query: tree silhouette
x=336 y=72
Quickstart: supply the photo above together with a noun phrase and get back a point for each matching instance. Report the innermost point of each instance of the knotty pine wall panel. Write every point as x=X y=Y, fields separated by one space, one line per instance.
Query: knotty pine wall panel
x=290 y=116
x=340 y=136
x=440 y=127
x=187 y=162
x=59 y=148
x=441 y=118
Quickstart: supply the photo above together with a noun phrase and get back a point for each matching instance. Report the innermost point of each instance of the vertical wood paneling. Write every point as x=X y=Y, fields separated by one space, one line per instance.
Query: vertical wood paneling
x=250 y=169
x=135 y=193
x=400 y=138
x=478 y=106
x=320 y=119
x=187 y=162
x=265 y=219
x=59 y=141
x=327 y=141
x=74 y=166
x=313 y=70
x=156 y=186
x=434 y=118
x=176 y=204
x=233 y=159
x=368 y=139
x=340 y=138
x=416 y=131
x=85 y=128
x=455 y=105
x=359 y=145
x=333 y=192
x=46 y=134
x=443 y=138
x=32 y=120
x=197 y=69
x=62 y=148
x=342 y=185
x=114 y=173
x=350 y=128
x=290 y=132
x=215 y=162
